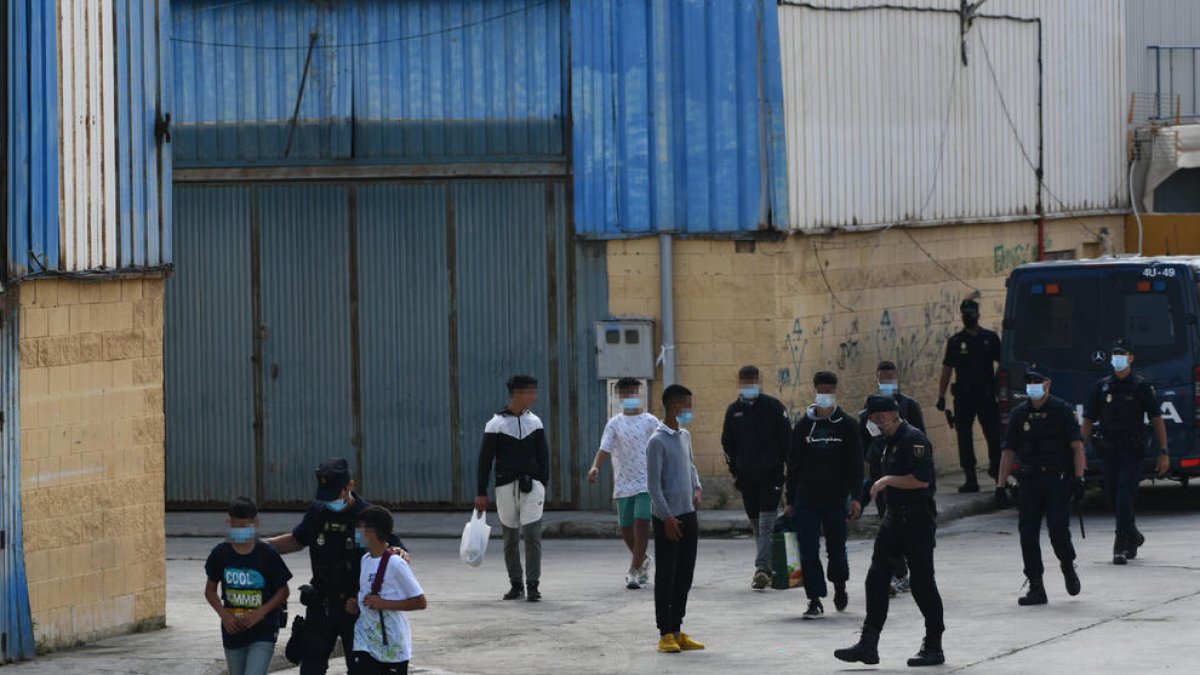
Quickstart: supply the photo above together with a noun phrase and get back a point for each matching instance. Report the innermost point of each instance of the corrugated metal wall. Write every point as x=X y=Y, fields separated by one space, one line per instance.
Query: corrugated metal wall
x=676 y=117
x=15 y=621
x=89 y=190
x=1164 y=23
x=885 y=125
x=429 y=80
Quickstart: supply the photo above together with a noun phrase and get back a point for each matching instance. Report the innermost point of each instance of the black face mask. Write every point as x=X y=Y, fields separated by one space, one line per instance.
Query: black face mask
x=970 y=320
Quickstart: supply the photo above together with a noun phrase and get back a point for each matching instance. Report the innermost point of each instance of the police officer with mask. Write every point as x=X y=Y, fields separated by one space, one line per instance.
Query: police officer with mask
x=1114 y=420
x=1043 y=435
x=970 y=354
x=329 y=531
x=908 y=529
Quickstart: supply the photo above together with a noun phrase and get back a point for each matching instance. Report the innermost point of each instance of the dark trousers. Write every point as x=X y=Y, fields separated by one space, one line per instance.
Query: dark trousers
x=909 y=532
x=363 y=663
x=968 y=406
x=811 y=517
x=674 y=565
x=325 y=622
x=1048 y=495
x=1122 y=473
x=901 y=567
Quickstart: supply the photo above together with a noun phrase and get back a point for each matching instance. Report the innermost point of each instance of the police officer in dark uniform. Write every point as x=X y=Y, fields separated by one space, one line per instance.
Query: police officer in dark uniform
x=971 y=353
x=328 y=530
x=1114 y=420
x=1044 y=435
x=909 y=529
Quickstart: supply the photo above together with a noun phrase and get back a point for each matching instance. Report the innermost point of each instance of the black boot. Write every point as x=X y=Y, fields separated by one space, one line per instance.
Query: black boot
x=840 y=598
x=972 y=484
x=1036 y=594
x=1120 y=556
x=1072 y=578
x=516 y=592
x=930 y=654
x=1133 y=543
x=534 y=594
x=866 y=651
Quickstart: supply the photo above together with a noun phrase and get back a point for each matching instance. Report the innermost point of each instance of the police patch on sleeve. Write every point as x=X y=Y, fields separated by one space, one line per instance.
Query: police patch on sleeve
x=918 y=451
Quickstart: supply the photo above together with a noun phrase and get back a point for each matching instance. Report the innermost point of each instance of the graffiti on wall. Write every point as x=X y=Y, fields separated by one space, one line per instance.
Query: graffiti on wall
x=1005 y=258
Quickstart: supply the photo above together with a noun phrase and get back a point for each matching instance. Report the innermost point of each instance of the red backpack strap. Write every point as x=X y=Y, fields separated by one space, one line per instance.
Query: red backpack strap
x=377 y=582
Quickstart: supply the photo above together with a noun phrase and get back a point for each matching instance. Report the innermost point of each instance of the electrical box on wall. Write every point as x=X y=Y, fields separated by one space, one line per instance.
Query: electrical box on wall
x=625 y=348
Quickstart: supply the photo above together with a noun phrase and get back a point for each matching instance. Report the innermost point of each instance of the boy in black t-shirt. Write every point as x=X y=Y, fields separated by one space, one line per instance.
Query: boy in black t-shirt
x=253 y=580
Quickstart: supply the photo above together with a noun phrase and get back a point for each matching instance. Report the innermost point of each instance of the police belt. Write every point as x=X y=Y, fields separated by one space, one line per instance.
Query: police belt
x=1041 y=469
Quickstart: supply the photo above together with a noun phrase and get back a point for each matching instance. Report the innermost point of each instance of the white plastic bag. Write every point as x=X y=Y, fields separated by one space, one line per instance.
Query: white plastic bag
x=475 y=539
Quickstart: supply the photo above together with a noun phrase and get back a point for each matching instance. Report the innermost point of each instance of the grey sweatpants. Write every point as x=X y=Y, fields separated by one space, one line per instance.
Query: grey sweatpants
x=532 y=533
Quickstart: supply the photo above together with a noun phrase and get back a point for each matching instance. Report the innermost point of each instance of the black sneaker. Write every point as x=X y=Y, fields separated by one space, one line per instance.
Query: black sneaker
x=815 y=610
x=972 y=485
x=1139 y=539
x=515 y=593
x=840 y=599
x=1071 y=577
x=534 y=594
x=1119 y=558
x=930 y=655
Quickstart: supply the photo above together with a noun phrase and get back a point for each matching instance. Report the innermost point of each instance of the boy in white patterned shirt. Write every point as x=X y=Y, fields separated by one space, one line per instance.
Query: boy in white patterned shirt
x=624 y=440
x=382 y=636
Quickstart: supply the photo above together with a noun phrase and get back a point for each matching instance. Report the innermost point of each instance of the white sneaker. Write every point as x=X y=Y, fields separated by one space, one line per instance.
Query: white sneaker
x=901 y=585
x=631 y=581
x=644 y=571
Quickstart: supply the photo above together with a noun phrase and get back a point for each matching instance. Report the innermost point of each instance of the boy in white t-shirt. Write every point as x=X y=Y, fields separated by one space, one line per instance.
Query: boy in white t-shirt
x=625 y=438
x=382 y=638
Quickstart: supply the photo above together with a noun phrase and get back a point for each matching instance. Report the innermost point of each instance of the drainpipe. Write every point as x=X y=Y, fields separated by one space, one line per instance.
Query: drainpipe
x=667 y=294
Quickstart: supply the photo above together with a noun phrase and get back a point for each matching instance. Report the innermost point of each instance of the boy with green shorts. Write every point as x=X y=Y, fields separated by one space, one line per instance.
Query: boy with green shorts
x=624 y=440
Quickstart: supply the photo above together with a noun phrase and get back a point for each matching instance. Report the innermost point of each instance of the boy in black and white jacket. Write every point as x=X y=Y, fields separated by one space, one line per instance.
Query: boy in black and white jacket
x=515 y=443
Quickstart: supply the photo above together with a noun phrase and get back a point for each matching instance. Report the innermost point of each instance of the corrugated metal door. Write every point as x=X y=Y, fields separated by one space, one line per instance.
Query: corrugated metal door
x=304 y=253
x=16 y=627
x=209 y=349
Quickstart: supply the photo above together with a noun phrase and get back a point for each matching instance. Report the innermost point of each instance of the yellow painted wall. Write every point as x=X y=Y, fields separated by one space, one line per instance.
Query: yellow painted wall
x=1165 y=234
x=92 y=467
x=880 y=297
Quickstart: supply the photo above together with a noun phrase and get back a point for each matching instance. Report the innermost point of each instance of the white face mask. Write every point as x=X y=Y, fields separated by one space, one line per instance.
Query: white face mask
x=826 y=401
x=873 y=429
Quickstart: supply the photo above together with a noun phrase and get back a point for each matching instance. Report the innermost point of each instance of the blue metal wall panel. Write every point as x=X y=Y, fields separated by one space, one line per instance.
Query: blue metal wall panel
x=32 y=137
x=207 y=355
x=403 y=315
x=591 y=305
x=427 y=80
x=15 y=621
x=307 y=402
x=676 y=117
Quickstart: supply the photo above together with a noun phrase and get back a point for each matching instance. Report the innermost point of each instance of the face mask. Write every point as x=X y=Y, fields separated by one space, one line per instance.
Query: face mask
x=873 y=429
x=684 y=418
x=750 y=392
x=359 y=540
x=336 y=505
x=241 y=535
x=888 y=388
x=1035 y=392
x=826 y=401
x=631 y=403
x=1120 y=362
x=970 y=321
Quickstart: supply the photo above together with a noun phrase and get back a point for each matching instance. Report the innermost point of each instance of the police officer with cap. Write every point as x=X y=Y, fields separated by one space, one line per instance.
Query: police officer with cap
x=1043 y=435
x=1114 y=420
x=908 y=529
x=970 y=354
x=328 y=530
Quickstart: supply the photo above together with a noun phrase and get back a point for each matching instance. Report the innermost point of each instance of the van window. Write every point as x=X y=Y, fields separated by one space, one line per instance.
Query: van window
x=1062 y=328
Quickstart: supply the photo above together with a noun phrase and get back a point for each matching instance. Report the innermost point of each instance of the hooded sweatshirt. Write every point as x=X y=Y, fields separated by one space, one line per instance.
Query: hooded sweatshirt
x=517 y=445
x=825 y=462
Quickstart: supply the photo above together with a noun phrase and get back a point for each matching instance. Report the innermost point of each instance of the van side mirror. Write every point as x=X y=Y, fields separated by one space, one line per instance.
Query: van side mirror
x=1008 y=324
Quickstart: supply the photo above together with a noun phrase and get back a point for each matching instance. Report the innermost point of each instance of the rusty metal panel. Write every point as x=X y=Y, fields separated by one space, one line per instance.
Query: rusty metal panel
x=16 y=623
x=403 y=306
x=885 y=124
x=207 y=350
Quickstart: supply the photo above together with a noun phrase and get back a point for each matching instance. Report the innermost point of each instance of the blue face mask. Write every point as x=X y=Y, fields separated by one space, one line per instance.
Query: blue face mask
x=888 y=388
x=1120 y=362
x=337 y=505
x=684 y=418
x=1035 y=391
x=826 y=401
x=750 y=392
x=631 y=403
x=359 y=541
x=241 y=535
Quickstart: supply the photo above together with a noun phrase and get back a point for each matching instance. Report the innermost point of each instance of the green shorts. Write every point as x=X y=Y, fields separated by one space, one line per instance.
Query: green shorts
x=633 y=508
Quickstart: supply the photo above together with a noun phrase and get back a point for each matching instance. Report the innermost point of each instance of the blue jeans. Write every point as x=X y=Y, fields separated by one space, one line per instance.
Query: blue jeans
x=811 y=517
x=253 y=659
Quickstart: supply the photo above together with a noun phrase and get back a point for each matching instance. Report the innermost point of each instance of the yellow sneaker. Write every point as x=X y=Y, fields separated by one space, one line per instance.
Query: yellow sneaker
x=686 y=643
x=668 y=645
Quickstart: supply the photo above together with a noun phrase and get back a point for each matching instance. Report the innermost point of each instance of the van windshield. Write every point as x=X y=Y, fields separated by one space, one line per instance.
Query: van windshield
x=1068 y=317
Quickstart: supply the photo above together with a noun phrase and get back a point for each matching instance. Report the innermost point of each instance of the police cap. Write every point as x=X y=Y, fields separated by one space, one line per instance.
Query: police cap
x=969 y=307
x=1035 y=373
x=332 y=476
x=1122 y=346
x=878 y=404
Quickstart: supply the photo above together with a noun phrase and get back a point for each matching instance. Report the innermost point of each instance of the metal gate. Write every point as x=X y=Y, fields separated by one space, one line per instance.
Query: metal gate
x=16 y=626
x=374 y=321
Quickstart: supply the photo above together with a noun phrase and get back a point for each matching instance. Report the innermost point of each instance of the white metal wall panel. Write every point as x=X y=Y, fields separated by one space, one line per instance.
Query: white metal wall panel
x=1174 y=23
x=885 y=125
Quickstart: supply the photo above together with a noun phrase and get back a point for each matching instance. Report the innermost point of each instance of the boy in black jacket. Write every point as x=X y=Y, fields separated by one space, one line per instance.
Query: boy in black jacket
x=824 y=473
x=515 y=442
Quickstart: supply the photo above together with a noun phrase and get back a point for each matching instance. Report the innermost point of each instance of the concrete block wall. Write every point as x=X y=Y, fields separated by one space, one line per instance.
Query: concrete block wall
x=92 y=469
x=839 y=302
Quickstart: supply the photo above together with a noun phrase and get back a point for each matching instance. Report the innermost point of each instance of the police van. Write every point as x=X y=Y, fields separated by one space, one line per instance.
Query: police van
x=1065 y=315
